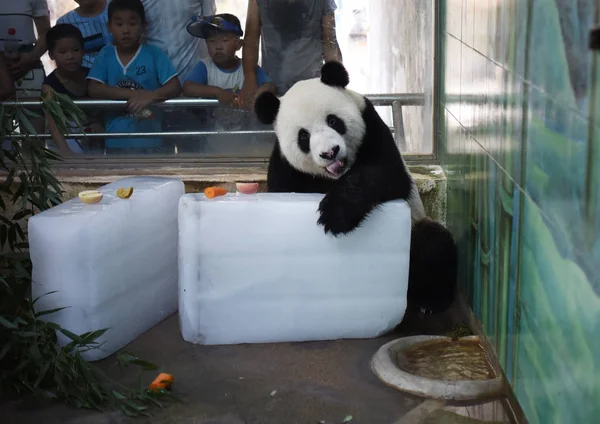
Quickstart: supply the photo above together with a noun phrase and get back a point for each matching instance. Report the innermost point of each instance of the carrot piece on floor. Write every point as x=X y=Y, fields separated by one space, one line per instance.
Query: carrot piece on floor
x=211 y=192
x=163 y=381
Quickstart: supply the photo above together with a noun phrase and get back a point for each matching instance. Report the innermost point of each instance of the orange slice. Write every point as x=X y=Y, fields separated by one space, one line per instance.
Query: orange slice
x=124 y=193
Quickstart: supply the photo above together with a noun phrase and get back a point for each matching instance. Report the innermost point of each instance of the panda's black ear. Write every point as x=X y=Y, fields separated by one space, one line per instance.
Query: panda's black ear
x=334 y=74
x=266 y=107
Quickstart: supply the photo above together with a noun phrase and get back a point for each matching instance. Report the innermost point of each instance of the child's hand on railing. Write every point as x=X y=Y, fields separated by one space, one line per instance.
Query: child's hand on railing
x=140 y=100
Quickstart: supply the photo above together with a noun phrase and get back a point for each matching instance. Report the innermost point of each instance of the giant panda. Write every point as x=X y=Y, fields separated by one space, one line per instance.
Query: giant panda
x=331 y=140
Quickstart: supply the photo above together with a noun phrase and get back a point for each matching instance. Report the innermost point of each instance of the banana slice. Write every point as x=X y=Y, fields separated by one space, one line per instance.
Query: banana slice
x=124 y=193
x=90 y=197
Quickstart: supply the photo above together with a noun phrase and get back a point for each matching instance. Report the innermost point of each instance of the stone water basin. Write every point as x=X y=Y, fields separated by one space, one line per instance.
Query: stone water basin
x=438 y=367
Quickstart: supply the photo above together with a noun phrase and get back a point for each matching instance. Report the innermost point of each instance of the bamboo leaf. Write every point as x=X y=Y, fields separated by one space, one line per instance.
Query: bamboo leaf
x=3 y=235
x=43 y=372
x=22 y=214
x=45 y=294
x=31 y=358
x=48 y=312
x=34 y=352
x=89 y=338
x=7 y=324
x=9 y=180
x=70 y=335
x=22 y=118
x=31 y=114
x=126 y=359
x=5 y=349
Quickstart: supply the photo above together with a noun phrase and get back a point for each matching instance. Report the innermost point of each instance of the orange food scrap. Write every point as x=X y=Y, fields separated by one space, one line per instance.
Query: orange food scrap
x=211 y=192
x=163 y=381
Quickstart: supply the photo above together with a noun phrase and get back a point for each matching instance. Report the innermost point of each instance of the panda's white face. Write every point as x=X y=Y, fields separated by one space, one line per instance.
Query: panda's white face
x=320 y=128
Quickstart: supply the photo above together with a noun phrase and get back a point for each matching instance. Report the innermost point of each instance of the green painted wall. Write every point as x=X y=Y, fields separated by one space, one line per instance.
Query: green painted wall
x=520 y=145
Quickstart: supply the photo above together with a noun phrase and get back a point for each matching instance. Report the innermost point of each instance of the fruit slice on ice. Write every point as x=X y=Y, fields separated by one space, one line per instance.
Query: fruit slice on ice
x=90 y=197
x=247 y=188
x=124 y=193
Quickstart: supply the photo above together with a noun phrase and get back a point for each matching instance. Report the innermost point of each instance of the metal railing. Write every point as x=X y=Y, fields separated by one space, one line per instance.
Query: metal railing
x=395 y=101
x=406 y=99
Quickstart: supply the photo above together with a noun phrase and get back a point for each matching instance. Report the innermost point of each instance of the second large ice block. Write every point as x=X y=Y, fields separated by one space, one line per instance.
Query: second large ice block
x=257 y=268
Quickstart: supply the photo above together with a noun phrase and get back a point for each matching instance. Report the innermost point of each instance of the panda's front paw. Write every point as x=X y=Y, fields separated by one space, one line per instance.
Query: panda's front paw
x=338 y=217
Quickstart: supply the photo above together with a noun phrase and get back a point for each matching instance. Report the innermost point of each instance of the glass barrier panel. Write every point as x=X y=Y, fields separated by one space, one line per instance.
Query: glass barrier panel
x=386 y=46
x=182 y=127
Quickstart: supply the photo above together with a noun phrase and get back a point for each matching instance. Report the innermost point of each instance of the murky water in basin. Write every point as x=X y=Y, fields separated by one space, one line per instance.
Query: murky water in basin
x=447 y=360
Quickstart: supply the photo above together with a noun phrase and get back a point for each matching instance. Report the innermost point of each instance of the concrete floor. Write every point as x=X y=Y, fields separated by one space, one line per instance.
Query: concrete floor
x=313 y=382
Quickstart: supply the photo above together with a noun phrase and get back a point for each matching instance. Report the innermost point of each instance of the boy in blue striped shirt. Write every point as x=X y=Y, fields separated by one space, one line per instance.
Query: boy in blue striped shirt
x=90 y=18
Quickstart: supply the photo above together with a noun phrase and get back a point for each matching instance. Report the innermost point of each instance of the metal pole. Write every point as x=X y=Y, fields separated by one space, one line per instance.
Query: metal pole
x=153 y=134
x=399 y=133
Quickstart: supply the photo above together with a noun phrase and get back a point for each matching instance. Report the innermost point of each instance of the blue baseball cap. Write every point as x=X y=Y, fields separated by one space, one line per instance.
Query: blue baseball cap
x=204 y=27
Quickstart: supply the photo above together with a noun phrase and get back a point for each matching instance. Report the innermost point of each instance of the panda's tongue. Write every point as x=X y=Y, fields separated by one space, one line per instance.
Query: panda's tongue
x=335 y=167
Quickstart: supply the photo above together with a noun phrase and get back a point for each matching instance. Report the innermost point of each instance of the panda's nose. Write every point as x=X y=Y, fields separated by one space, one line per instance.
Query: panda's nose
x=330 y=155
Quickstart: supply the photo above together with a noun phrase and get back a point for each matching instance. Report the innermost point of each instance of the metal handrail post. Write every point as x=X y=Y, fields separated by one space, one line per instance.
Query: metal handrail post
x=398 y=122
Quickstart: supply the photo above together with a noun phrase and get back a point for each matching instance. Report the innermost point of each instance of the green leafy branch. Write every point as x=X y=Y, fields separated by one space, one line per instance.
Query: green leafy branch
x=31 y=358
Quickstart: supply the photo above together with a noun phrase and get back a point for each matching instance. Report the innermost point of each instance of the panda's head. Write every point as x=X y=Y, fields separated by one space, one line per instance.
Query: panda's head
x=318 y=122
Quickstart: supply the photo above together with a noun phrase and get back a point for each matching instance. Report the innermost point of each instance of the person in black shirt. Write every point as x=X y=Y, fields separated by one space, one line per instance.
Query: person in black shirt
x=65 y=47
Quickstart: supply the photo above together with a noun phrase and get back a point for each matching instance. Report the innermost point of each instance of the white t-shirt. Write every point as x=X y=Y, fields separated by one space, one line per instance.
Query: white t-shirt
x=167 y=21
x=233 y=80
x=19 y=14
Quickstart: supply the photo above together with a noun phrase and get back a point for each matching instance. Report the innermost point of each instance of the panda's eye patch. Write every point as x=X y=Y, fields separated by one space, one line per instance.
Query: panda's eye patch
x=336 y=123
x=304 y=140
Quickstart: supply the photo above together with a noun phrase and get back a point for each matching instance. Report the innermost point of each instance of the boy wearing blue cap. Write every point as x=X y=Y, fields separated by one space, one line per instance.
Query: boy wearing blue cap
x=221 y=75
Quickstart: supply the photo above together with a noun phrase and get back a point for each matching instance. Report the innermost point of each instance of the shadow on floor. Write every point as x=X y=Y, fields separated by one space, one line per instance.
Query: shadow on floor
x=286 y=383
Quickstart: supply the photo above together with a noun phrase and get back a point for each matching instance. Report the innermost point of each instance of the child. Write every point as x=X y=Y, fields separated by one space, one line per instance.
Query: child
x=221 y=75
x=65 y=47
x=90 y=18
x=132 y=71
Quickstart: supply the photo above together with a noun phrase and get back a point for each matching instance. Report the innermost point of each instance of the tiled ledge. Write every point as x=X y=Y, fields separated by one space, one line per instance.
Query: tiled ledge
x=430 y=180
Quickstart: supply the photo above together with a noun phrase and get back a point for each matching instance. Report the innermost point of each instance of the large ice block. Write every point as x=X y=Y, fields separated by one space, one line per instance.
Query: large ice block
x=258 y=269
x=113 y=264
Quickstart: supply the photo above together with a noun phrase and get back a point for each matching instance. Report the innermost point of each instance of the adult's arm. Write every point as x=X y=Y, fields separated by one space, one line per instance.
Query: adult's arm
x=29 y=60
x=331 y=49
x=250 y=55
x=7 y=84
x=42 y=25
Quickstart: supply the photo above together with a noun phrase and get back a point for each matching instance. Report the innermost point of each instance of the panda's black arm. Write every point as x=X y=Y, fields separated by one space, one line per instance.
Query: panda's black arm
x=359 y=192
